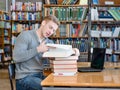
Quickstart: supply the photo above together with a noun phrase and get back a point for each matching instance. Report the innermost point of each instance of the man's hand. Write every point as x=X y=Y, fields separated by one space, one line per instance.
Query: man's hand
x=77 y=53
x=42 y=47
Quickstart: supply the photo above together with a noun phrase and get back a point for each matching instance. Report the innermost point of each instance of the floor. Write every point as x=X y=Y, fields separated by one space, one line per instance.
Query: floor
x=4 y=80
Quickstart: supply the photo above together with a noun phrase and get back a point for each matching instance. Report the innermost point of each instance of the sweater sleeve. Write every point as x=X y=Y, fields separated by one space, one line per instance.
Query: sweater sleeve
x=21 y=52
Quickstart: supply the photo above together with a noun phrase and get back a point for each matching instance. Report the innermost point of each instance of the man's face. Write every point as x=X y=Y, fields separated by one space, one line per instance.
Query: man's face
x=49 y=28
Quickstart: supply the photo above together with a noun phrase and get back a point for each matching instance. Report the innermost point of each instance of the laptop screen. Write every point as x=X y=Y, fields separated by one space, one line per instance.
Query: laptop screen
x=98 y=57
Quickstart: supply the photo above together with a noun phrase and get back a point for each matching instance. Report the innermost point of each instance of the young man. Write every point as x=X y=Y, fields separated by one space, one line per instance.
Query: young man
x=27 y=54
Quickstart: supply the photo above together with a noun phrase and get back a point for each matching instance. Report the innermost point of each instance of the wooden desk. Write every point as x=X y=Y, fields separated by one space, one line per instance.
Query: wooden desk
x=106 y=64
x=109 y=78
x=47 y=70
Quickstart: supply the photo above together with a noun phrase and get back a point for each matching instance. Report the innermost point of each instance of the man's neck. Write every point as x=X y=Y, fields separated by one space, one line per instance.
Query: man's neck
x=39 y=34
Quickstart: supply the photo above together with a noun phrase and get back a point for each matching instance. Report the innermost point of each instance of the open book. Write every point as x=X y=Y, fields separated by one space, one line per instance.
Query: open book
x=59 y=50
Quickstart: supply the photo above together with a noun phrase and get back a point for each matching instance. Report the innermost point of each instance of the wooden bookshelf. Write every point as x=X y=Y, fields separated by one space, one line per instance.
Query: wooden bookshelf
x=115 y=1
x=5 y=42
x=111 y=43
x=71 y=17
x=100 y=23
x=76 y=5
x=25 y=18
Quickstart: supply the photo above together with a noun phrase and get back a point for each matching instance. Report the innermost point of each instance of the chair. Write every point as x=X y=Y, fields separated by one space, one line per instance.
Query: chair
x=11 y=72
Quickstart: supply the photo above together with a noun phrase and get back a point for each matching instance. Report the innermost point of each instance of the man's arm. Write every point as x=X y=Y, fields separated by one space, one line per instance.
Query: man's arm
x=21 y=52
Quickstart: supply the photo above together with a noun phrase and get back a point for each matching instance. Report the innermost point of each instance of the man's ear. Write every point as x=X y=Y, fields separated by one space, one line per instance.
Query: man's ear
x=43 y=23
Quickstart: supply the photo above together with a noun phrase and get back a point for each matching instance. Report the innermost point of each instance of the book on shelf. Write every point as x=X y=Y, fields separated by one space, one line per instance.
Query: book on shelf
x=69 y=2
x=94 y=14
x=65 y=2
x=77 y=30
x=59 y=50
x=105 y=15
x=66 y=14
x=73 y=2
x=115 y=14
x=116 y=32
x=1 y=51
x=84 y=13
x=47 y=1
x=109 y=2
x=106 y=19
x=0 y=57
x=83 y=29
x=26 y=6
x=109 y=51
x=83 y=2
x=95 y=2
x=51 y=2
x=95 y=33
x=106 y=33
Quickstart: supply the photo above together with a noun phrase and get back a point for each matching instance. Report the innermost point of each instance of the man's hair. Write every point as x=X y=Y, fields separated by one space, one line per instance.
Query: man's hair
x=52 y=18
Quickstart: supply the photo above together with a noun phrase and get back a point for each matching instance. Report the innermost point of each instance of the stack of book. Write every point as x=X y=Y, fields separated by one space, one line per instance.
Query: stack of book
x=65 y=62
x=64 y=66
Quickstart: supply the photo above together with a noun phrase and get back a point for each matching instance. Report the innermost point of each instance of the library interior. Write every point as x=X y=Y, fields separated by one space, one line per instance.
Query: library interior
x=60 y=44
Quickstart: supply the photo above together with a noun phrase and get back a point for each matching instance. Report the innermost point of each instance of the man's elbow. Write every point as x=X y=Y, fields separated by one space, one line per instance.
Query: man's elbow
x=16 y=57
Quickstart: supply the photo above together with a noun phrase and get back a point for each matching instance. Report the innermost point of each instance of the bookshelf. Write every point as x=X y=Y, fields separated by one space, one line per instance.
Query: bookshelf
x=25 y=15
x=5 y=45
x=97 y=28
x=105 y=29
x=72 y=16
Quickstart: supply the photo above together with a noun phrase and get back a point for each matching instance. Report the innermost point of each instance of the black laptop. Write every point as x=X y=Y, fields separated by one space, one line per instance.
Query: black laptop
x=97 y=62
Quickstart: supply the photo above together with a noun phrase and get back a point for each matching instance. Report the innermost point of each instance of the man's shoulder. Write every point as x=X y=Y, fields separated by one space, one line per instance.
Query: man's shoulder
x=27 y=32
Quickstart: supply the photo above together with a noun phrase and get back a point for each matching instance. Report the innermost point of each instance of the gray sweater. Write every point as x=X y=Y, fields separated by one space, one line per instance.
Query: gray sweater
x=25 y=54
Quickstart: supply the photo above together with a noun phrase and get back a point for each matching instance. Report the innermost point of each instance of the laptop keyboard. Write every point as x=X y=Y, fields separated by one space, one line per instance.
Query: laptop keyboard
x=88 y=69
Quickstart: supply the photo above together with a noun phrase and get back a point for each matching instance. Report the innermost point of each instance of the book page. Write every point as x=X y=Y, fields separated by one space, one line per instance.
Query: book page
x=59 y=50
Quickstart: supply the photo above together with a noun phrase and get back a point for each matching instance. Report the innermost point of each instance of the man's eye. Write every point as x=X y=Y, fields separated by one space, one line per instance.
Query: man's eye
x=50 y=27
x=53 y=30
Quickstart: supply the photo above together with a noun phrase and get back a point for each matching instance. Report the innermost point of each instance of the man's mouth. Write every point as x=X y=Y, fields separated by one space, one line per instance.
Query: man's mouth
x=47 y=34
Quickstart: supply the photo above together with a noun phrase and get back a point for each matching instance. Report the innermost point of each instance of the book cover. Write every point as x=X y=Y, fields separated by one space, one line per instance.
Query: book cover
x=106 y=34
x=84 y=14
x=59 y=50
x=73 y=2
x=116 y=32
x=64 y=70
x=64 y=74
x=83 y=2
x=58 y=66
x=63 y=62
x=115 y=14
x=95 y=33
x=95 y=2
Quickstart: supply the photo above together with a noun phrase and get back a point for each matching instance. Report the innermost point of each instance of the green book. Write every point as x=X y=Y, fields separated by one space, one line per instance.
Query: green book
x=115 y=14
x=80 y=12
x=118 y=13
x=84 y=13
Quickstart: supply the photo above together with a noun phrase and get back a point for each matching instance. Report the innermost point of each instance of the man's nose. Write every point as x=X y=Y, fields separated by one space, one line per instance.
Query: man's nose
x=51 y=32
